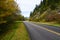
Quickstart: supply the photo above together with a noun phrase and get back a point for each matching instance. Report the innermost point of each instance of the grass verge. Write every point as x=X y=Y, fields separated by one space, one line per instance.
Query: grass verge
x=18 y=32
x=49 y=23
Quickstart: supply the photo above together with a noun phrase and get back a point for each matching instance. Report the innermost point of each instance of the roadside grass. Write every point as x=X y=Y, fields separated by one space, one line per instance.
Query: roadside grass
x=48 y=23
x=51 y=24
x=18 y=32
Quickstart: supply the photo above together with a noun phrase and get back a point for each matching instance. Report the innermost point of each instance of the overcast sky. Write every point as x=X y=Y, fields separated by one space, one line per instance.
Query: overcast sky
x=26 y=6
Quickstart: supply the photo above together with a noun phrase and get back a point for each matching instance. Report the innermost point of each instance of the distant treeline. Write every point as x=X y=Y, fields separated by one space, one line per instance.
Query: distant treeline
x=47 y=11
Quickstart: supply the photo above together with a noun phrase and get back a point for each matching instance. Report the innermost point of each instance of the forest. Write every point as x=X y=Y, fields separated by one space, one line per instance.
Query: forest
x=46 y=11
x=9 y=13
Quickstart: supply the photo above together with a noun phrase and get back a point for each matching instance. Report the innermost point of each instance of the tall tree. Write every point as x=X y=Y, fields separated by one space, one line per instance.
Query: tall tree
x=8 y=10
x=46 y=11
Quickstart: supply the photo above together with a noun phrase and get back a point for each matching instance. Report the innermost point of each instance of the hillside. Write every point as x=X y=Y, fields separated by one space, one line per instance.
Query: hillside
x=47 y=11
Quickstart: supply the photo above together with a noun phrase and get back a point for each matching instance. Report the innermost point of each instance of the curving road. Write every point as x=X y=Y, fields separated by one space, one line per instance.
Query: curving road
x=39 y=32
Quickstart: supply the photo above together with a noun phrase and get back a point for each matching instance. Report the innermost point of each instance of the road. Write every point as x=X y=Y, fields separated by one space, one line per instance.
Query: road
x=54 y=28
x=38 y=32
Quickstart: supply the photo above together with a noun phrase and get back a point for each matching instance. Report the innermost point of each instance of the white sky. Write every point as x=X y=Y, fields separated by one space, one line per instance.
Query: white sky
x=26 y=6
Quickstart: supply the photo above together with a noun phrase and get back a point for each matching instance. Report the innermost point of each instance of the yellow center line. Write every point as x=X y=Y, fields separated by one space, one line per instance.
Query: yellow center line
x=54 y=32
x=51 y=31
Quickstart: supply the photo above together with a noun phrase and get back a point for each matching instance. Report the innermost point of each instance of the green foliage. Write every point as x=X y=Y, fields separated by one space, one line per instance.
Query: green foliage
x=46 y=11
x=9 y=13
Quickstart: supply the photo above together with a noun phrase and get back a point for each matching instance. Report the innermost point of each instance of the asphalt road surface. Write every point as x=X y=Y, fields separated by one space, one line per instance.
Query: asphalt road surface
x=39 y=32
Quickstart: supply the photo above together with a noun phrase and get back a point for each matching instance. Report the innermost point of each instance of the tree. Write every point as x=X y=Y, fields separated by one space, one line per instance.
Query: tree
x=8 y=10
x=9 y=13
x=46 y=11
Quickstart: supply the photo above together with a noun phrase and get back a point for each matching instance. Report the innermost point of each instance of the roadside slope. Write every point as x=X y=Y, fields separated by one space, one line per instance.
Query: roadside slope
x=19 y=32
